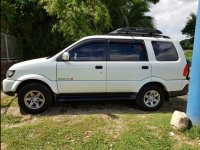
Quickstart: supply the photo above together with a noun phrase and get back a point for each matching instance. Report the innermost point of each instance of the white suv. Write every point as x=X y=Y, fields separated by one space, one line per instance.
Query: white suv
x=128 y=63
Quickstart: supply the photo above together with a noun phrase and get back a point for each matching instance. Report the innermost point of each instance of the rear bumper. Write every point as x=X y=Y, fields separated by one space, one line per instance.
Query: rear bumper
x=179 y=93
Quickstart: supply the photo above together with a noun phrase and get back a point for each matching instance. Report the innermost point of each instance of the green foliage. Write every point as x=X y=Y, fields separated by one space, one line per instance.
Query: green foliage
x=44 y=27
x=7 y=15
x=131 y=13
x=31 y=25
x=188 y=55
x=189 y=28
x=187 y=44
x=78 y=18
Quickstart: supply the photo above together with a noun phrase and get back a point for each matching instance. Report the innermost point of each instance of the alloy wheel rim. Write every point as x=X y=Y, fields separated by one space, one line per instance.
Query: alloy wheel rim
x=152 y=98
x=34 y=99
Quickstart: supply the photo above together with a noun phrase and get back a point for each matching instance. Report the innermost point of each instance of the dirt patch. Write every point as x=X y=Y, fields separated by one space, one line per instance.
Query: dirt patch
x=110 y=108
x=192 y=142
x=116 y=124
x=176 y=103
x=3 y=146
x=3 y=110
x=3 y=95
x=14 y=111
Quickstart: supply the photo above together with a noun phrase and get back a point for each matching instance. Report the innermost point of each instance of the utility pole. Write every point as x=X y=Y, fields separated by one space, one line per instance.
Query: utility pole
x=193 y=104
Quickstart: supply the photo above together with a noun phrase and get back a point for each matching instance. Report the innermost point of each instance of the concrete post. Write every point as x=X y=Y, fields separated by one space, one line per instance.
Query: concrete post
x=193 y=104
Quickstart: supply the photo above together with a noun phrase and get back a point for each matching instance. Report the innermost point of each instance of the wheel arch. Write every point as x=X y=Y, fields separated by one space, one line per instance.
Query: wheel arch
x=26 y=82
x=155 y=83
x=35 y=78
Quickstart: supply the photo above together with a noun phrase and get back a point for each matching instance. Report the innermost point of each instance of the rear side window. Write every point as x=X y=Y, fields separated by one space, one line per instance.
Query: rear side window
x=164 y=51
x=127 y=52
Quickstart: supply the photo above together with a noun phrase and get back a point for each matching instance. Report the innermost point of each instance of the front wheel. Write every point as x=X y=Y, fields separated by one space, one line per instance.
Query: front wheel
x=34 y=98
x=151 y=97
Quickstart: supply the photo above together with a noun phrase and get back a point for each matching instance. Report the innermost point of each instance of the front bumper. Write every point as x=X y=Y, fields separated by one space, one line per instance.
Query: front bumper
x=8 y=86
x=9 y=93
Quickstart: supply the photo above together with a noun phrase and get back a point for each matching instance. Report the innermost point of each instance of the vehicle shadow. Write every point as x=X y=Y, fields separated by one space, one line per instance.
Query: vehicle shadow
x=111 y=108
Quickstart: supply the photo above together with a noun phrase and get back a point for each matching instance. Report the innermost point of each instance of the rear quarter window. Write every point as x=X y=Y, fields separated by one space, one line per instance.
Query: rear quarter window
x=165 y=51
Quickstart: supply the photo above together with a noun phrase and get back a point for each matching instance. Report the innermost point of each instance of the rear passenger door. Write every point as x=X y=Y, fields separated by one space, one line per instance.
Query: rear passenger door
x=127 y=65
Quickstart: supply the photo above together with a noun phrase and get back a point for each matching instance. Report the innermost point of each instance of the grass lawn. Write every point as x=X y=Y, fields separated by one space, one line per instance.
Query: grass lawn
x=95 y=126
x=188 y=54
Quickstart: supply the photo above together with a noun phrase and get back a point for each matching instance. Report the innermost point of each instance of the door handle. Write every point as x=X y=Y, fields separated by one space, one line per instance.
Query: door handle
x=145 y=67
x=98 y=67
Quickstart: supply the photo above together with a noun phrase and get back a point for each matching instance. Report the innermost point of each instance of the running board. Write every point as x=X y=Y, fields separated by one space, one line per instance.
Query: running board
x=95 y=97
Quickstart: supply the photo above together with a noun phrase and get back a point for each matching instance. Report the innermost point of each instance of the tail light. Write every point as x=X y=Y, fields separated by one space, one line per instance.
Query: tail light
x=186 y=71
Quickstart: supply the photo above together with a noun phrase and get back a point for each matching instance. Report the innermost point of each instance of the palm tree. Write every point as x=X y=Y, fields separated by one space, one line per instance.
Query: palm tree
x=130 y=13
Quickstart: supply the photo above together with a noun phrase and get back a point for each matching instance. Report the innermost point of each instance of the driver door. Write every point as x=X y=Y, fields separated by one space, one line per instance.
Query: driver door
x=85 y=72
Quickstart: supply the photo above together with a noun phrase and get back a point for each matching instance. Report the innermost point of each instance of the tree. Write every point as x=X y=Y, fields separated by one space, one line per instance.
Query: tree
x=186 y=44
x=29 y=22
x=131 y=13
x=189 y=28
x=44 y=27
x=78 y=18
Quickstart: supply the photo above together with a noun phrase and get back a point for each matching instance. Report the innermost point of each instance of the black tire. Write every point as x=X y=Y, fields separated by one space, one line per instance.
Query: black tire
x=144 y=91
x=35 y=88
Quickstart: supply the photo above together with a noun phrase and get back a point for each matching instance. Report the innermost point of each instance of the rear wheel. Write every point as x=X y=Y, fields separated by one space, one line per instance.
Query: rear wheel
x=151 y=97
x=34 y=98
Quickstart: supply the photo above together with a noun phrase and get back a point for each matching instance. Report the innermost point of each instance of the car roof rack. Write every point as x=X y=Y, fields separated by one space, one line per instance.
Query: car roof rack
x=144 y=32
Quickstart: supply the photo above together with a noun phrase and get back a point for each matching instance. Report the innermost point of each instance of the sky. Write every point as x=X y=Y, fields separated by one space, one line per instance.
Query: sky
x=170 y=16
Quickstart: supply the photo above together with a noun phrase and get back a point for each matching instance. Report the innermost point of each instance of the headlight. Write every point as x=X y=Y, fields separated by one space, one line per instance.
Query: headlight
x=10 y=73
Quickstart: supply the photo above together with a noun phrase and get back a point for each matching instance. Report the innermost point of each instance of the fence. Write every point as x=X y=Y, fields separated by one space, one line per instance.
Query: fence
x=9 y=48
x=9 y=53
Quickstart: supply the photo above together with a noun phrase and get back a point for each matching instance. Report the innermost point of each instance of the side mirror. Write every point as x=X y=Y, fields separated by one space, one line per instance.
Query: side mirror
x=65 y=56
